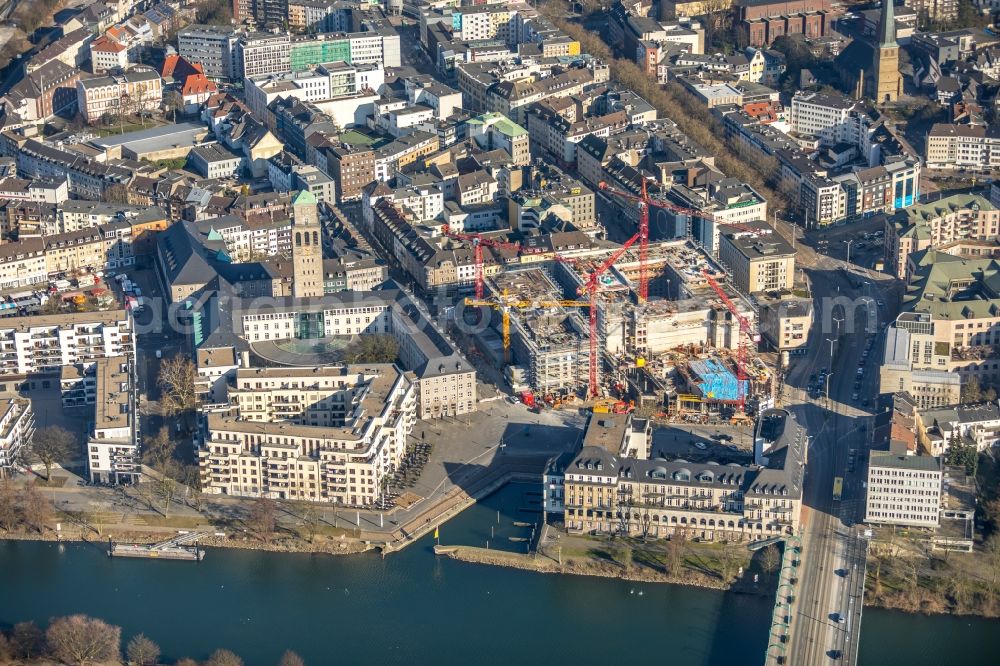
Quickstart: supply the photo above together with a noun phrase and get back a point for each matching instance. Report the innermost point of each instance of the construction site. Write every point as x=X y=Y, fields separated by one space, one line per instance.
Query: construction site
x=653 y=325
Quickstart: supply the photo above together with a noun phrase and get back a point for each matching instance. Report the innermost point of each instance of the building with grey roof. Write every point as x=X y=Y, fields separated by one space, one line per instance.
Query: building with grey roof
x=613 y=494
x=903 y=490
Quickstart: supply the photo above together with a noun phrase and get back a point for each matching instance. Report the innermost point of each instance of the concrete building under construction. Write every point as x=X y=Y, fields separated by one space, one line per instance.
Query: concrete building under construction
x=550 y=338
x=550 y=342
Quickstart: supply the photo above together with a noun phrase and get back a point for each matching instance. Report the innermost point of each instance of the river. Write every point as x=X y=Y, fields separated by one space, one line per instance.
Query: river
x=415 y=608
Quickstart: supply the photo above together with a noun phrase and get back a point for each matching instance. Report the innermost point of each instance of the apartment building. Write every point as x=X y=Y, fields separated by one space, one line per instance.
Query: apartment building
x=832 y=118
x=139 y=89
x=609 y=493
x=961 y=224
x=938 y=11
x=785 y=322
x=17 y=426
x=46 y=343
x=211 y=46
x=975 y=147
x=315 y=434
x=113 y=445
x=495 y=131
x=758 y=260
x=352 y=168
x=903 y=490
x=22 y=263
x=977 y=424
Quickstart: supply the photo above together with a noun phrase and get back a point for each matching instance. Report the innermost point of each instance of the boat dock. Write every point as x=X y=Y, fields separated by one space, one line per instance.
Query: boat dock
x=182 y=547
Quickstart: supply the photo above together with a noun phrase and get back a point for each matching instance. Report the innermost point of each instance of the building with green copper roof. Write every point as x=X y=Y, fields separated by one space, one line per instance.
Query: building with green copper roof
x=962 y=224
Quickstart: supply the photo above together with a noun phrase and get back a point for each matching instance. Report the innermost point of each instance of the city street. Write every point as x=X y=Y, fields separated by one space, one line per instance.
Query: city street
x=827 y=615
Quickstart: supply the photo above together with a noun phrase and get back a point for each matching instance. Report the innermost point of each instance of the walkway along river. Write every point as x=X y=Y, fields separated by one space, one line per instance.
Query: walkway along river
x=415 y=608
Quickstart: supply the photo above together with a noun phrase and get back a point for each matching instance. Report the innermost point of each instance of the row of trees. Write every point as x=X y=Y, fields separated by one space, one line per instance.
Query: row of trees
x=78 y=640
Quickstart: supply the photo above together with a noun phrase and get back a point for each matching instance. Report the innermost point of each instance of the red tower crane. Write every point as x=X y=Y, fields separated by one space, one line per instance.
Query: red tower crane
x=478 y=242
x=748 y=335
x=591 y=288
x=645 y=201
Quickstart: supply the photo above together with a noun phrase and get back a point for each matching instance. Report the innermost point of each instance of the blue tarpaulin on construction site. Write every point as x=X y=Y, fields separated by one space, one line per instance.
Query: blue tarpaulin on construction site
x=716 y=381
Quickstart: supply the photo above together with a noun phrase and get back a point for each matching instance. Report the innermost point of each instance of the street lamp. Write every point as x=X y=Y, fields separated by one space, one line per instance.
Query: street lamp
x=837 y=321
x=849 y=241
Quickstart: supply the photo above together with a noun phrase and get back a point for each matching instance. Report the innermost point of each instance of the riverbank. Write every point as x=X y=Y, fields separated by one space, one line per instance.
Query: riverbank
x=321 y=545
x=574 y=566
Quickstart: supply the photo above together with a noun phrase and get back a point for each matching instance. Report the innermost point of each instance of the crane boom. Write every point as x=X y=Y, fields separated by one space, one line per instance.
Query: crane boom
x=478 y=242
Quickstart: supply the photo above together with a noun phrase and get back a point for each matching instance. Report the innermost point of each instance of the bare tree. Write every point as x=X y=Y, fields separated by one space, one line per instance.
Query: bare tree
x=159 y=449
x=10 y=512
x=116 y=194
x=263 y=518
x=291 y=659
x=82 y=640
x=224 y=658
x=36 y=508
x=310 y=520
x=769 y=558
x=6 y=650
x=173 y=101
x=166 y=483
x=176 y=381
x=26 y=640
x=141 y=651
x=993 y=558
x=49 y=446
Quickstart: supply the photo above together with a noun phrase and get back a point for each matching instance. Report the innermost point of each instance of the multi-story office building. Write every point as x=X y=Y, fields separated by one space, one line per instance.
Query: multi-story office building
x=113 y=446
x=609 y=492
x=315 y=434
x=46 y=343
x=17 y=425
x=322 y=84
x=785 y=321
x=138 y=89
x=903 y=490
x=262 y=53
x=211 y=46
x=758 y=260
x=974 y=147
x=915 y=363
x=494 y=130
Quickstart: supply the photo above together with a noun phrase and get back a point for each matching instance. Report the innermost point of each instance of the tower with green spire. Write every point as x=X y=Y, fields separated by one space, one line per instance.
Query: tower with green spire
x=887 y=84
x=307 y=247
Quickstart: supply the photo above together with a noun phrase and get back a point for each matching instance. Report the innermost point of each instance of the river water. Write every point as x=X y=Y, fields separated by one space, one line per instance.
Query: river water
x=415 y=608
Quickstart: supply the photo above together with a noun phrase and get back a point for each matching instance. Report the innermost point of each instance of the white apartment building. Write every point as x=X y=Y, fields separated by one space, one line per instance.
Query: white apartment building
x=113 y=447
x=46 y=343
x=22 y=264
x=831 y=118
x=246 y=240
x=314 y=434
x=17 y=425
x=903 y=490
x=138 y=89
x=979 y=424
x=963 y=147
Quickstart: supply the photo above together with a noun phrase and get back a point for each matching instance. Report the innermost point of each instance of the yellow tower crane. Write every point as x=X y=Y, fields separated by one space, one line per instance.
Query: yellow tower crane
x=504 y=303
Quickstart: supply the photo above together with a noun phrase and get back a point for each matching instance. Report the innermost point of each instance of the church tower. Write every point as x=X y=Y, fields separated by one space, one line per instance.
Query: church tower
x=307 y=247
x=887 y=84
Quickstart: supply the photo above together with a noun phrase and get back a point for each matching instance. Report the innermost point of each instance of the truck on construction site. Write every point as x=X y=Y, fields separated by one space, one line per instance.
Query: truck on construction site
x=611 y=406
x=528 y=398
